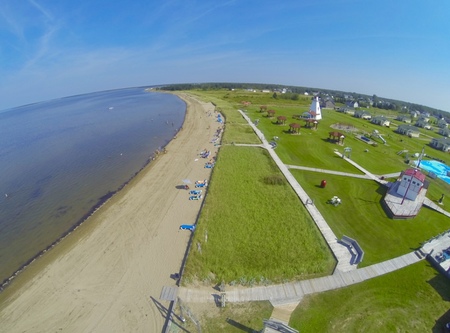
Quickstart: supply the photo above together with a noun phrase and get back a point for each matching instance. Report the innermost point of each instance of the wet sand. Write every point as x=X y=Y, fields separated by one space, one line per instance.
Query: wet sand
x=108 y=274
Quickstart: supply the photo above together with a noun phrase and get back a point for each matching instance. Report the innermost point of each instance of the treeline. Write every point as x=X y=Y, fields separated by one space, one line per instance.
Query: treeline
x=293 y=92
x=221 y=85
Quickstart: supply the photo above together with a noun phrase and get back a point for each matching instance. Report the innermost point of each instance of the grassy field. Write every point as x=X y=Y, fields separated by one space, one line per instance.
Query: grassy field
x=414 y=299
x=361 y=216
x=253 y=234
x=312 y=148
x=253 y=229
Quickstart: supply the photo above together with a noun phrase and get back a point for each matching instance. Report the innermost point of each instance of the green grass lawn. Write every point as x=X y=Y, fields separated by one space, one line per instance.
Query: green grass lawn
x=261 y=233
x=413 y=299
x=253 y=228
x=311 y=148
x=237 y=129
x=361 y=216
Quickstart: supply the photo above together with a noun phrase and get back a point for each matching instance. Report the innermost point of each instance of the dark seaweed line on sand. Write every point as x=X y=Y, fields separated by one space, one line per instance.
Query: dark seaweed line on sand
x=102 y=200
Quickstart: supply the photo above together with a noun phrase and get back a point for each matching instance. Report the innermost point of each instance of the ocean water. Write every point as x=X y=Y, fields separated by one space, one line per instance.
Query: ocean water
x=62 y=158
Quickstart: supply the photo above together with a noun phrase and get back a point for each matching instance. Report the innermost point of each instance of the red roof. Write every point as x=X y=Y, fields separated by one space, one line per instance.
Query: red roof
x=416 y=173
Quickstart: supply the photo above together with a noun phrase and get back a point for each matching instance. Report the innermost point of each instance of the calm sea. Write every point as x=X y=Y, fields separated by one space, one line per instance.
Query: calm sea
x=60 y=159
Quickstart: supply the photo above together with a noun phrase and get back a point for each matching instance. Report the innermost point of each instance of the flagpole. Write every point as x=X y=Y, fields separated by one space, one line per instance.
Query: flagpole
x=407 y=189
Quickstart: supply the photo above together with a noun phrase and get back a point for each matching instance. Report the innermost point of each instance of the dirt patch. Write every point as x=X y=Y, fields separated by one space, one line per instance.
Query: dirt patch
x=246 y=317
x=345 y=127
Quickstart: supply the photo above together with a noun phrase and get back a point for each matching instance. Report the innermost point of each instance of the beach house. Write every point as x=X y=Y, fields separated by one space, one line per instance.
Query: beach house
x=408 y=130
x=381 y=120
x=363 y=114
x=444 y=131
x=423 y=123
x=328 y=103
x=441 y=144
x=404 y=118
x=442 y=123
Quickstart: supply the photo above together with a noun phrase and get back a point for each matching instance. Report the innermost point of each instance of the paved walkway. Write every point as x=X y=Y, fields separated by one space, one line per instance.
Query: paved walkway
x=366 y=172
x=431 y=204
x=339 y=173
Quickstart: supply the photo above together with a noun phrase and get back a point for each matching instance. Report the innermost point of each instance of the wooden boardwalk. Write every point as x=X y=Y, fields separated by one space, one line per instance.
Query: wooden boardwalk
x=293 y=292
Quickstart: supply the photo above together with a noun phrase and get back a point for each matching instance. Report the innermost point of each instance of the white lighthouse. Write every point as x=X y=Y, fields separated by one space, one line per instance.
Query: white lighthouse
x=314 y=109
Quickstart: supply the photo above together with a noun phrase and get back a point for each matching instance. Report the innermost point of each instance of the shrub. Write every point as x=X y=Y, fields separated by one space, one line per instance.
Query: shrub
x=274 y=180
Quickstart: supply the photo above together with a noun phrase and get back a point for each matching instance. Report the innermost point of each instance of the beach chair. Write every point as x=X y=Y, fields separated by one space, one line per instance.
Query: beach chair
x=195 y=192
x=195 y=197
x=190 y=227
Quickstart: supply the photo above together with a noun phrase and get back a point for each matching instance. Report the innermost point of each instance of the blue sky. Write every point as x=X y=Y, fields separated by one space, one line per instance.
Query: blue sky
x=394 y=49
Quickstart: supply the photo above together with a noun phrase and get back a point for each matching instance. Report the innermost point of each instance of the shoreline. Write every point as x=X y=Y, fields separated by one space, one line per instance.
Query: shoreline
x=35 y=284
x=90 y=213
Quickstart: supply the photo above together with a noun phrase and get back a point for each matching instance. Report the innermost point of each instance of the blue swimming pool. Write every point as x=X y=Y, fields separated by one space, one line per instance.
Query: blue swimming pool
x=440 y=169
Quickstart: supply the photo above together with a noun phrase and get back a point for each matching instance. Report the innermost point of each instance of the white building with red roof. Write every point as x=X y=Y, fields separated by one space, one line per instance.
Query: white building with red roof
x=411 y=182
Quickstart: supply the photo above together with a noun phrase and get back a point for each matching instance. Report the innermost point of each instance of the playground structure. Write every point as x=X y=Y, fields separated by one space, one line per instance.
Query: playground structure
x=405 y=154
x=369 y=139
x=376 y=134
x=404 y=151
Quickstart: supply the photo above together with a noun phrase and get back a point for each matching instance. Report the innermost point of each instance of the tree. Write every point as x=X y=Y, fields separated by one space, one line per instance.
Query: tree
x=275 y=95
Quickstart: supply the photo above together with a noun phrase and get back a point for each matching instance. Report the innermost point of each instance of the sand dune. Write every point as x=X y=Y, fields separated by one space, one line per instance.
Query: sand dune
x=108 y=274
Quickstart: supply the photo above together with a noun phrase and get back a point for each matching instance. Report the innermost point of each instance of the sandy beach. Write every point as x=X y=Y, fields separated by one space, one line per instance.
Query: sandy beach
x=107 y=275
